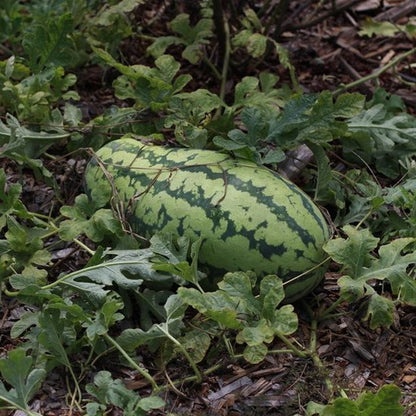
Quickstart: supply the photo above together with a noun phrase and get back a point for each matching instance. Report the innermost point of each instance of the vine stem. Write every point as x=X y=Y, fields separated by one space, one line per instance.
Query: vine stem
x=226 y=62
x=277 y=351
x=224 y=46
x=315 y=356
x=375 y=74
x=144 y=373
x=184 y=352
x=192 y=378
x=84 y=246
x=292 y=347
x=328 y=312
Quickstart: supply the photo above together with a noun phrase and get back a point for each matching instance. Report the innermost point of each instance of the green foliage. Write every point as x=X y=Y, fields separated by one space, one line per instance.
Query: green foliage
x=372 y=27
x=385 y=137
x=149 y=87
x=11 y=21
x=383 y=403
x=18 y=371
x=151 y=297
x=34 y=97
x=87 y=218
x=49 y=44
x=236 y=305
x=24 y=145
x=193 y=38
x=113 y=392
x=362 y=269
x=110 y=24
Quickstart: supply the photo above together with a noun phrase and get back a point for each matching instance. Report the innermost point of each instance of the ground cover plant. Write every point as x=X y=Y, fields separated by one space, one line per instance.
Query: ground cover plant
x=96 y=318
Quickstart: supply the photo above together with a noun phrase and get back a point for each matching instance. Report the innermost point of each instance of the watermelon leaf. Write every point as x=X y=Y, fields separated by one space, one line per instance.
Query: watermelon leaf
x=380 y=311
x=17 y=370
x=362 y=269
x=192 y=37
x=383 y=403
x=314 y=118
x=354 y=252
x=169 y=329
x=10 y=202
x=85 y=218
x=108 y=15
x=113 y=392
x=382 y=136
x=236 y=305
x=49 y=43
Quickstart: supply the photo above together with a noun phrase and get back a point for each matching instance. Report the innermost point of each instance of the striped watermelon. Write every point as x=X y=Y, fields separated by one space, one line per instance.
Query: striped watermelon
x=249 y=217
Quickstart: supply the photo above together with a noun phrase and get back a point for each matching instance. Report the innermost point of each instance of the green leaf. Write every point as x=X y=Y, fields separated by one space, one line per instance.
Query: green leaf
x=131 y=339
x=57 y=335
x=285 y=320
x=25 y=322
x=237 y=306
x=256 y=45
x=379 y=311
x=197 y=343
x=49 y=43
x=349 y=105
x=104 y=318
x=273 y=156
x=384 y=403
x=218 y=306
x=383 y=136
x=372 y=27
x=362 y=268
x=324 y=171
x=271 y=294
x=22 y=144
x=392 y=265
x=239 y=286
x=128 y=269
x=113 y=392
x=314 y=118
x=108 y=15
x=86 y=219
x=72 y=115
x=10 y=202
x=255 y=354
x=353 y=252
x=25 y=381
x=191 y=37
x=255 y=335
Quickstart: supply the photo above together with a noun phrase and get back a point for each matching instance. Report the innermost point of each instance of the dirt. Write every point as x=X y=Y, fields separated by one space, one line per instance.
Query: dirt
x=326 y=55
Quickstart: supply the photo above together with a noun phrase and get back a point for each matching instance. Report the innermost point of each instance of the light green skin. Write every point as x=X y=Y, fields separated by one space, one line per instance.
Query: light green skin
x=249 y=217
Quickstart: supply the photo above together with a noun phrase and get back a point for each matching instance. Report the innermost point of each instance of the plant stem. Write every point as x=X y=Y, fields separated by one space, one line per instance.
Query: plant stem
x=226 y=62
x=329 y=310
x=84 y=246
x=194 y=378
x=213 y=68
x=375 y=74
x=143 y=372
x=278 y=351
x=315 y=357
x=184 y=352
x=223 y=34
x=291 y=346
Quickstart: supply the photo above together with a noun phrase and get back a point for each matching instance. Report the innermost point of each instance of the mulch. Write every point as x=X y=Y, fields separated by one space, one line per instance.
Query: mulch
x=327 y=51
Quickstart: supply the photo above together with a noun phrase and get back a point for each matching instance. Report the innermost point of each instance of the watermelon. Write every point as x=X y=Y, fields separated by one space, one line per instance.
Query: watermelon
x=248 y=217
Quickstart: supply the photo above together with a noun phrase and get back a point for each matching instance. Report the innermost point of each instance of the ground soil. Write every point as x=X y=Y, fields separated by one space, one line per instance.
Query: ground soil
x=326 y=52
